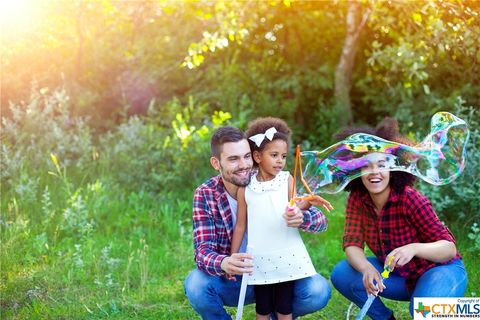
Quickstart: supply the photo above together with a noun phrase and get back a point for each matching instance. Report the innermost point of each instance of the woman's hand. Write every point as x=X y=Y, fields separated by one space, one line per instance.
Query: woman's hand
x=320 y=202
x=402 y=255
x=370 y=274
x=314 y=200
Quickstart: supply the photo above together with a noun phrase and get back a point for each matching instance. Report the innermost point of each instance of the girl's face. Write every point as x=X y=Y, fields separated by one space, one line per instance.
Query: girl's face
x=272 y=159
x=376 y=180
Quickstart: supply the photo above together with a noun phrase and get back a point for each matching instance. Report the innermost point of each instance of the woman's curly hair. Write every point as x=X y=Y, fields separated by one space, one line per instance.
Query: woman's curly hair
x=388 y=130
x=260 y=125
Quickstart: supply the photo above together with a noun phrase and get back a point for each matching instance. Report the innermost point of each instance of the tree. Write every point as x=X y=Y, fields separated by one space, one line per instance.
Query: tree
x=346 y=63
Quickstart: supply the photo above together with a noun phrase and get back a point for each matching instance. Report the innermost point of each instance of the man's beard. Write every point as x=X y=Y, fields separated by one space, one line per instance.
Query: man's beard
x=235 y=180
x=239 y=182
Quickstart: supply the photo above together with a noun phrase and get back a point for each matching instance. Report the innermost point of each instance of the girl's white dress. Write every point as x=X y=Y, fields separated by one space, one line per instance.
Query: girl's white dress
x=278 y=251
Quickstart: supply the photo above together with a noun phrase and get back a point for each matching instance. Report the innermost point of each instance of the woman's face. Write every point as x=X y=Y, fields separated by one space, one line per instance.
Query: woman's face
x=375 y=178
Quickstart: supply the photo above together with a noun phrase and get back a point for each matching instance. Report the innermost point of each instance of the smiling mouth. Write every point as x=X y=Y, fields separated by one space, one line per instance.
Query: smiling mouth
x=375 y=180
x=243 y=173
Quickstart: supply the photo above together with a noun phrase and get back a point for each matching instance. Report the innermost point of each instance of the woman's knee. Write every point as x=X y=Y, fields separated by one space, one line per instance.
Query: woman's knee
x=449 y=280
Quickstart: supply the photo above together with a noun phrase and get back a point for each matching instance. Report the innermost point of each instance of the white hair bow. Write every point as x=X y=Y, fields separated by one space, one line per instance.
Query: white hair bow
x=258 y=138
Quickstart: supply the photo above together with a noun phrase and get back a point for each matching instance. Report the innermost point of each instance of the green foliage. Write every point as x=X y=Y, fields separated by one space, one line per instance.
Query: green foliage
x=231 y=30
x=112 y=56
x=165 y=151
x=281 y=68
x=41 y=127
x=474 y=235
x=51 y=269
x=134 y=262
x=142 y=154
x=97 y=177
x=276 y=57
x=420 y=56
x=186 y=152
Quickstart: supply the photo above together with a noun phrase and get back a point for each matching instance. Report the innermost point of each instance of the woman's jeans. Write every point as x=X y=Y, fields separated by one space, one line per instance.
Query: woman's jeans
x=209 y=294
x=448 y=280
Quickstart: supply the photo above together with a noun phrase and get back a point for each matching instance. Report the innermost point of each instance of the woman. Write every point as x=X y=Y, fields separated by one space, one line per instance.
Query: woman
x=398 y=223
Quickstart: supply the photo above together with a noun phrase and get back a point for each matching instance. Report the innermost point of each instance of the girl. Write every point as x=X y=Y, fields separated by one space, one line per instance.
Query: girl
x=398 y=223
x=280 y=257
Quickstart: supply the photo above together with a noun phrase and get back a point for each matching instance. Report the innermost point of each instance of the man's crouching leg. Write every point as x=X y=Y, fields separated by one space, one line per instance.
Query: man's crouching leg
x=209 y=294
x=310 y=295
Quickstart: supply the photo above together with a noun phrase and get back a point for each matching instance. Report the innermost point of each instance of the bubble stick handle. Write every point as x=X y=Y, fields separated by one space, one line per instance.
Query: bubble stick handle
x=297 y=157
x=243 y=290
x=365 y=307
x=291 y=205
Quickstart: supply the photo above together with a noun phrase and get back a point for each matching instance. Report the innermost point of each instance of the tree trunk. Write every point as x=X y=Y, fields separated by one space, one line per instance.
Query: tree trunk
x=347 y=61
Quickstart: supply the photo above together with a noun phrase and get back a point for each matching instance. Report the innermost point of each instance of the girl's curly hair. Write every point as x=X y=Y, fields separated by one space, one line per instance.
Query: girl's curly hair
x=388 y=130
x=260 y=125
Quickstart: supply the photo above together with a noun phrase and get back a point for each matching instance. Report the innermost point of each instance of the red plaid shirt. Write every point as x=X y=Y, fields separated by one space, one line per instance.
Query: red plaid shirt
x=213 y=225
x=406 y=218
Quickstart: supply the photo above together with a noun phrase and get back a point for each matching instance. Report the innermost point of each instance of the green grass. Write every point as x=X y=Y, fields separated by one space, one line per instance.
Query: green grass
x=126 y=256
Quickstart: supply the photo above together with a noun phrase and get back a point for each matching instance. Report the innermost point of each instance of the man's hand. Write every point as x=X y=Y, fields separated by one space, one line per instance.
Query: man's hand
x=293 y=217
x=237 y=263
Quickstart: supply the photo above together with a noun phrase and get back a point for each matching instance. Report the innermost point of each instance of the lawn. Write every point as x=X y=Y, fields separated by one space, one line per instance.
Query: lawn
x=130 y=261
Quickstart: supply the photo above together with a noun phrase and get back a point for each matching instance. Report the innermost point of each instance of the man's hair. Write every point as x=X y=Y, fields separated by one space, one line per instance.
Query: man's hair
x=222 y=136
x=388 y=130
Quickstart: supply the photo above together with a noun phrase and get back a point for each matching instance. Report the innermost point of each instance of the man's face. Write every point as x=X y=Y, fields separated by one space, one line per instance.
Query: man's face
x=235 y=163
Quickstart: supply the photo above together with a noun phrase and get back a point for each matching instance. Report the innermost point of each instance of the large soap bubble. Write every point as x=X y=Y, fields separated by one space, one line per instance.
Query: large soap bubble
x=438 y=159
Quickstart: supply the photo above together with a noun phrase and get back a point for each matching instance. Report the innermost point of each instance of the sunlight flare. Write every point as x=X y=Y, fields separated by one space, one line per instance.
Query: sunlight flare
x=17 y=16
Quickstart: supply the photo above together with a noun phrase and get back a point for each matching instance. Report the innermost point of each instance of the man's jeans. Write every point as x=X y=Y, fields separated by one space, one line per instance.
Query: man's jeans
x=208 y=294
x=443 y=281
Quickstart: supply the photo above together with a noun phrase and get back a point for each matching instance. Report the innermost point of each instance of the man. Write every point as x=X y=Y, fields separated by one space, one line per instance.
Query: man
x=214 y=216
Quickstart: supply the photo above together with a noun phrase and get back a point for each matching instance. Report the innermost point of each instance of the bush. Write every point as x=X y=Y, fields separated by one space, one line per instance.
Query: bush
x=143 y=154
x=41 y=127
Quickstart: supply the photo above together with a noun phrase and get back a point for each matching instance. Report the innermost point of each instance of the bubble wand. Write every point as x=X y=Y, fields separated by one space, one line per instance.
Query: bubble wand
x=243 y=290
x=371 y=297
x=298 y=164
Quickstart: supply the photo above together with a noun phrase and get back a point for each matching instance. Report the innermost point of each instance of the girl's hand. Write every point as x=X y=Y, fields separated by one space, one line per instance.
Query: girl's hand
x=370 y=274
x=402 y=255
x=293 y=217
x=320 y=202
